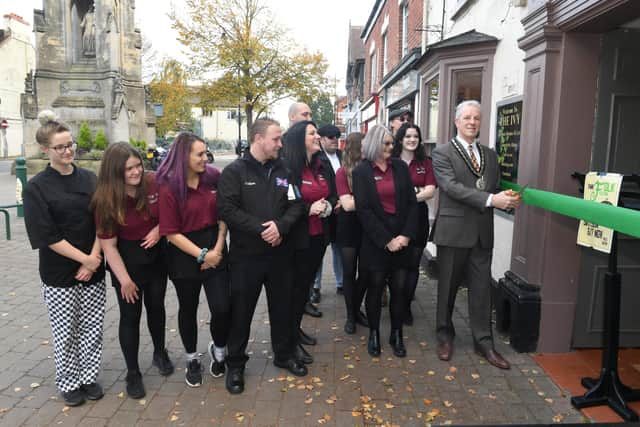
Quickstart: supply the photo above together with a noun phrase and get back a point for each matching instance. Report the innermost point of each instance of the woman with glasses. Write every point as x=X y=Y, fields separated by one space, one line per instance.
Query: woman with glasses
x=408 y=147
x=60 y=225
x=387 y=208
x=197 y=252
x=125 y=207
x=315 y=181
x=349 y=234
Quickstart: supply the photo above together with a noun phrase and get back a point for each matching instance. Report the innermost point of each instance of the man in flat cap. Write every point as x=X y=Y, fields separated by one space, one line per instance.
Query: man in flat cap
x=329 y=138
x=399 y=117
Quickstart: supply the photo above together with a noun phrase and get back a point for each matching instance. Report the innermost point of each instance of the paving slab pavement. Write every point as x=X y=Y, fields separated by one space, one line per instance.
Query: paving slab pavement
x=345 y=386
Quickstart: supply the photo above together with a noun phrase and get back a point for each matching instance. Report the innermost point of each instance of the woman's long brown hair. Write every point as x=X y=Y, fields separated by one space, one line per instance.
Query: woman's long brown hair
x=109 y=202
x=352 y=154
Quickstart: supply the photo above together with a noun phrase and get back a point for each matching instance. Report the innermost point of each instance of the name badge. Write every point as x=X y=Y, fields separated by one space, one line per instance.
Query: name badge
x=282 y=182
x=307 y=182
x=293 y=193
x=377 y=178
x=249 y=183
x=320 y=178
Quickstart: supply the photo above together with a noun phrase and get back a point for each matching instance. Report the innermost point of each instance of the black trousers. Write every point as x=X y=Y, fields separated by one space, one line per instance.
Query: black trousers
x=473 y=267
x=151 y=292
x=248 y=275
x=306 y=263
x=216 y=288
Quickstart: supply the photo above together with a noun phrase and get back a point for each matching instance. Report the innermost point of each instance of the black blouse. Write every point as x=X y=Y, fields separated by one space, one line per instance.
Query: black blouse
x=56 y=207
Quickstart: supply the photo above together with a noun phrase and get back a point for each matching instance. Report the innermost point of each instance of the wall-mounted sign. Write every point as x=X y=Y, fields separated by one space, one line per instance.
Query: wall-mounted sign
x=509 y=121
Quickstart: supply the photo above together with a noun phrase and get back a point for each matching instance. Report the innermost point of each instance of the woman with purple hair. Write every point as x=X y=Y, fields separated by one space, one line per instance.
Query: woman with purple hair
x=197 y=250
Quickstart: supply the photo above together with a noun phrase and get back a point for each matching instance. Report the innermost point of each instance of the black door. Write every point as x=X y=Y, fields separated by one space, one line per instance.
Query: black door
x=616 y=148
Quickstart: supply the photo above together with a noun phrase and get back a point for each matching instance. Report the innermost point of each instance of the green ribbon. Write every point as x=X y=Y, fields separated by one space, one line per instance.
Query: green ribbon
x=620 y=219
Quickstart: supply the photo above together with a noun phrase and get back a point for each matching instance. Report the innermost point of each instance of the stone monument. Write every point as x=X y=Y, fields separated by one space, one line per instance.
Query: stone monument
x=88 y=69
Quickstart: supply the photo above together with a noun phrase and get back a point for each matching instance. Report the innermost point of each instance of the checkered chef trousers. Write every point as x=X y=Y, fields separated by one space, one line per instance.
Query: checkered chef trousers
x=76 y=315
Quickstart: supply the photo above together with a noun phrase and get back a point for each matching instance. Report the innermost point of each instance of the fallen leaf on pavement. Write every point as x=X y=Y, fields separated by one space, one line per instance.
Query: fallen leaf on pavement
x=389 y=405
x=173 y=418
x=558 y=418
x=412 y=361
x=453 y=369
x=449 y=377
x=448 y=404
x=344 y=377
x=427 y=401
x=121 y=395
x=548 y=400
x=431 y=373
x=34 y=385
x=308 y=401
x=356 y=413
x=475 y=376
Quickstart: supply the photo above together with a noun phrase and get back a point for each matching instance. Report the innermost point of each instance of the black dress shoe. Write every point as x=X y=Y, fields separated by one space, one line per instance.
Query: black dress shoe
x=135 y=388
x=92 y=391
x=397 y=343
x=315 y=296
x=73 y=397
x=162 y=361
x=312 y=310
x=444 y=350
x=408 y=318
x=373 y=347
x=299 y=353
x=361 y=319
x=350 y=326
x=292 y=365
x=234 y=381
x=307 y=339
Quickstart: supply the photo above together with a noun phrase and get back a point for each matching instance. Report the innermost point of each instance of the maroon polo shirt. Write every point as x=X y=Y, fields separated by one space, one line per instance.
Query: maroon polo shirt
x=137 y=224
x=385 y=187
x=198 y=212
x=313 y=188
x=342 y=184
x=421 y=172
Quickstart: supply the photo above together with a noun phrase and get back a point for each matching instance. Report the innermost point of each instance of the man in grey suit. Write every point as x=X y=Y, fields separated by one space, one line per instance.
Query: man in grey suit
x=468 y=176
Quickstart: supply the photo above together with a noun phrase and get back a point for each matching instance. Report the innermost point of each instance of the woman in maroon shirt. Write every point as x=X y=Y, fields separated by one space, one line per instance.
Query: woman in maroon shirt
x=125 y=206
x=408 y=147
x=349 y=234
x=387 y=209
x=197 y=250
x=316 y=187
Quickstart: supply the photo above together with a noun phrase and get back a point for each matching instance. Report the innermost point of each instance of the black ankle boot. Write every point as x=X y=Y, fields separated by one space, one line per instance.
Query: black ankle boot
x=301 y=354
x=350 y=325
x=374 y=343
x=397 y=344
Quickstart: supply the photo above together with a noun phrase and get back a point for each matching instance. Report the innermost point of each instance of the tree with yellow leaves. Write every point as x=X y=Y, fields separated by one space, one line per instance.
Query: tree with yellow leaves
x=170 y=89
x=244 y=56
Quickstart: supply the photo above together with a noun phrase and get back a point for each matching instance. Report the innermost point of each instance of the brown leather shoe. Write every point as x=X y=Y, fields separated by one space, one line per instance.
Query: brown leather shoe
x=494 y=358
x=444 y=350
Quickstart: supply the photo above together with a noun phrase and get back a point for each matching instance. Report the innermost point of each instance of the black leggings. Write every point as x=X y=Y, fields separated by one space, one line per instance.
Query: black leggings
x=413 y=273
x=216 y=288
x=354 y=288
x=306 y=264
x=397 y=304
x=152 y=292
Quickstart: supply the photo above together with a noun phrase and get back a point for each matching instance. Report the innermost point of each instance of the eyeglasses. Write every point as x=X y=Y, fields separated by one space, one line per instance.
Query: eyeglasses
x=60 y=149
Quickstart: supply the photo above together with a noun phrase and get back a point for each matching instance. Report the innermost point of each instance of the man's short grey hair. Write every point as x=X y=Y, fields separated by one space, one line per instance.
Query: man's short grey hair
x=465 y=104
x=373 y=142
x=293 y=110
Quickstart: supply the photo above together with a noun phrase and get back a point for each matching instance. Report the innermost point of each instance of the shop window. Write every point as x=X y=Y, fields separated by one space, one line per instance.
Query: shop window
x=404 y=13
x=374 y=72
x=433 y=93
x=467 y=84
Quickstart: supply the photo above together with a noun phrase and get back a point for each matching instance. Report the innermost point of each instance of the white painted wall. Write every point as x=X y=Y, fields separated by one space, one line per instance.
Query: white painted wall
x=17 y=58
x=218 y=126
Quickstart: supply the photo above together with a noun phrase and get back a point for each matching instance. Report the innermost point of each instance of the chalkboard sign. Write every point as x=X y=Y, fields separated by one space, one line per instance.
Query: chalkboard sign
x=508 y=125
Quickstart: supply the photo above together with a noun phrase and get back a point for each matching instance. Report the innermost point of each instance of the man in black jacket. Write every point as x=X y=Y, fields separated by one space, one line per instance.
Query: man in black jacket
x=260 y=207
x=329 y=137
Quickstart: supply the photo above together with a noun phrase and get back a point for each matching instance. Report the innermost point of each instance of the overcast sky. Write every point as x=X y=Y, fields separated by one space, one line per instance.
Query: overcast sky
x=320 y=25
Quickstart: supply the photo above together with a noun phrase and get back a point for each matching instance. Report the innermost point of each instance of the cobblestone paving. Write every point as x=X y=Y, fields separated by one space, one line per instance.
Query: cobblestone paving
x=345 y=386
